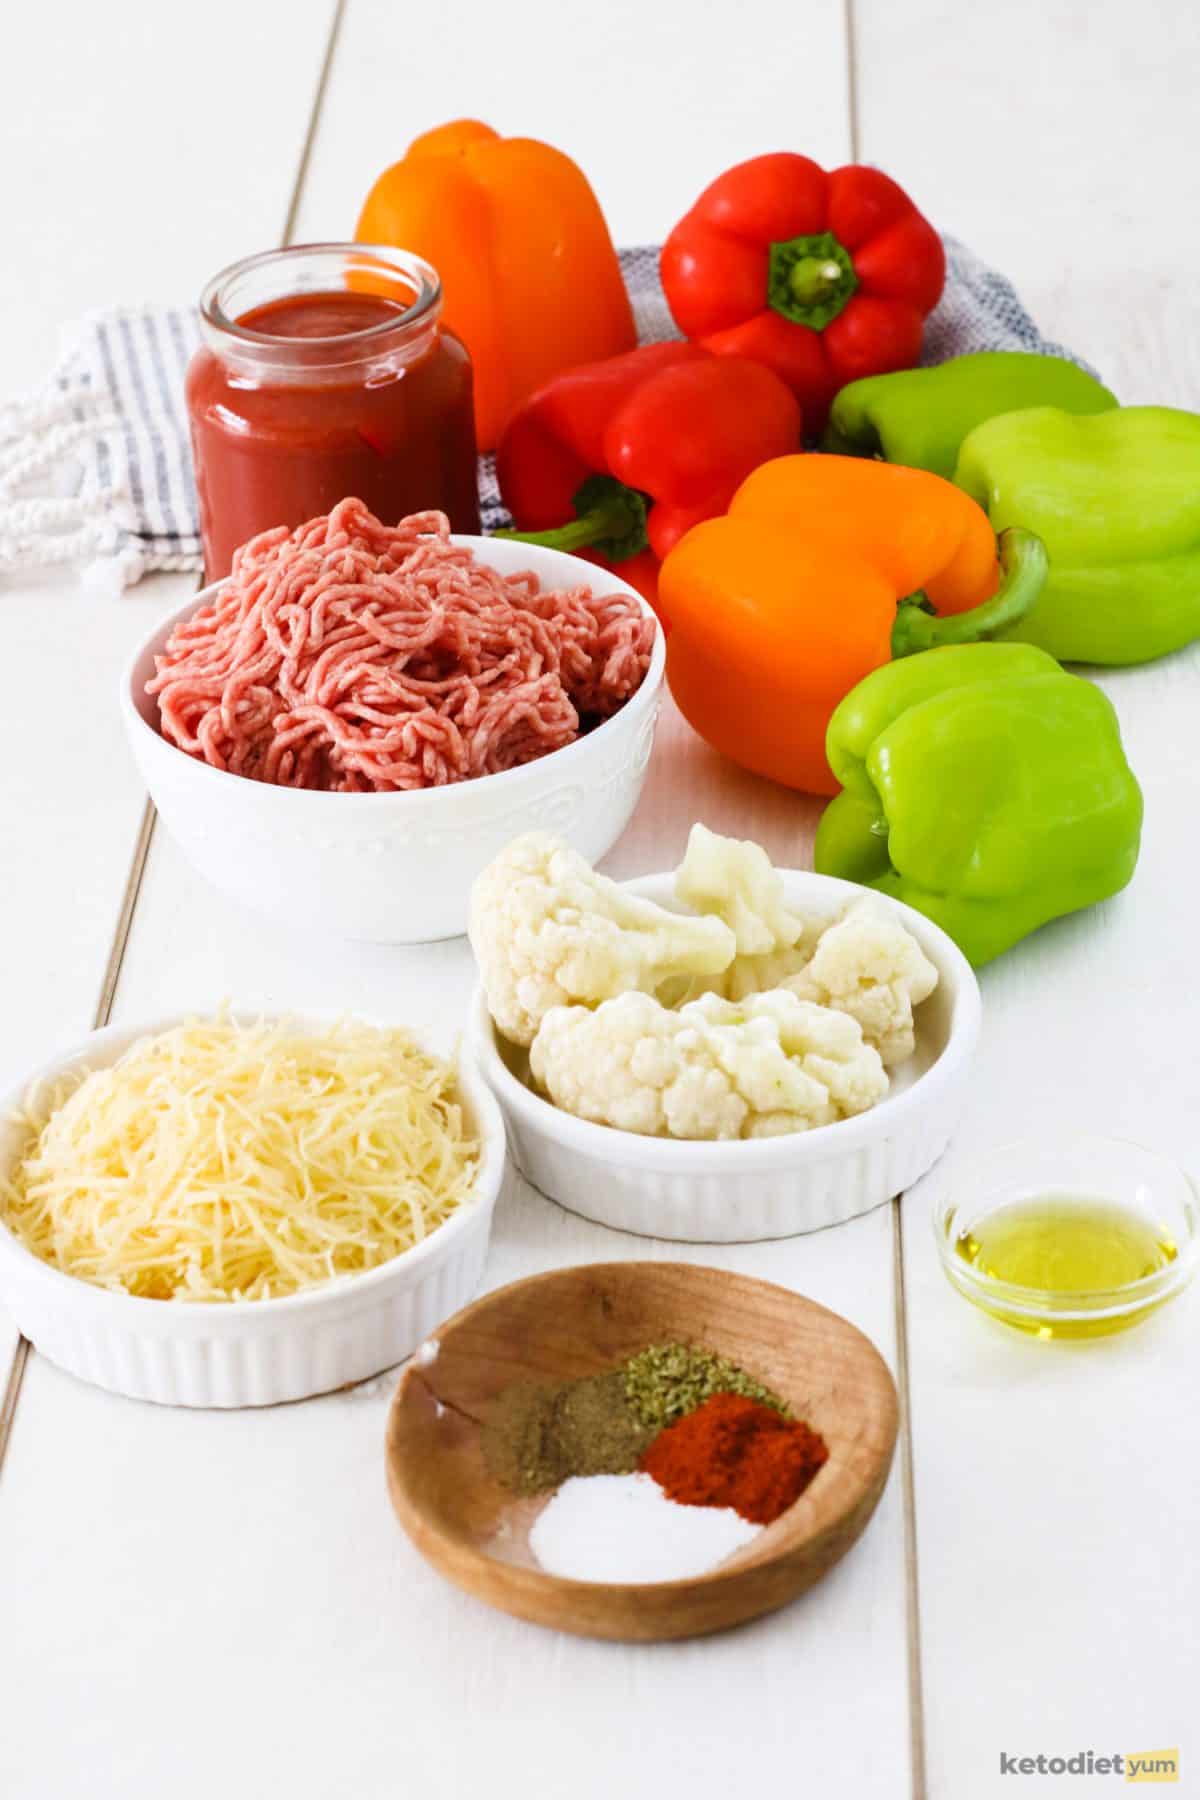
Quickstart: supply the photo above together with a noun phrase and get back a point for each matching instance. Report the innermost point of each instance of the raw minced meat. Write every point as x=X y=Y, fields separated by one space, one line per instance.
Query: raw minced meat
x=357 y=656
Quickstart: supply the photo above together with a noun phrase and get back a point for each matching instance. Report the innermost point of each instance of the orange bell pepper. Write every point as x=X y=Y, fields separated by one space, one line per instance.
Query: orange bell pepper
x=529 y=275
x=824 y=568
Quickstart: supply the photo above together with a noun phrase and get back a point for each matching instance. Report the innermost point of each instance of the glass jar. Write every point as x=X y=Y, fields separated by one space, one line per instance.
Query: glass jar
x=324 y=372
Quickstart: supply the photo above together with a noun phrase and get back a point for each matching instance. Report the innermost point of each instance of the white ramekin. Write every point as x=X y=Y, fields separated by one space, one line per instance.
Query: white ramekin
x=393 y=868
x=258 y=1352
x=736 y=1192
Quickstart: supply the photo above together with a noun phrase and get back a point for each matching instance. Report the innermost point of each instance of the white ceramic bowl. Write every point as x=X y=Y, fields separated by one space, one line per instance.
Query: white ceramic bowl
x=255 y=1352
x=736 y=1192
x=393 y=868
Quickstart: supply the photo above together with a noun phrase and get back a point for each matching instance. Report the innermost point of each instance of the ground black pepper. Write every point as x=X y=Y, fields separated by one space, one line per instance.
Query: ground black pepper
x=535 y=1437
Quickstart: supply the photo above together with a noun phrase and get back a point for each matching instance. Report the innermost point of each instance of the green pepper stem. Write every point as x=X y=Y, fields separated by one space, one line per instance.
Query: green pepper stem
x=810 y=279
x=813 y=279
x=1023 y=566
x=610 y=517
x=588 y=528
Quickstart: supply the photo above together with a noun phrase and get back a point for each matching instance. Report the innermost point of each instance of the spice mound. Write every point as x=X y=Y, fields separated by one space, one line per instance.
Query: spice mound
x=667 y=1381
x=642 y=1455
x=734 y=1452
x=536 y=1436
x=360 y=657
x=623 y=1528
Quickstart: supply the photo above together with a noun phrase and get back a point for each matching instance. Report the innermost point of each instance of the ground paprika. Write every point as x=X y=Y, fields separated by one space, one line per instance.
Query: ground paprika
x=733 y=1451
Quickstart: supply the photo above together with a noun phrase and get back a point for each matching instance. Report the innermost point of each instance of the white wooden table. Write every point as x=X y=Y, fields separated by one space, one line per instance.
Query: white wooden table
x=193 y=1604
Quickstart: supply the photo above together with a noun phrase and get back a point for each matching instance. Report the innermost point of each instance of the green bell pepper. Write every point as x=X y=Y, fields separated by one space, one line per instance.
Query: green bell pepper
x=919 y=417
x=983 y=785
x=1116 y=500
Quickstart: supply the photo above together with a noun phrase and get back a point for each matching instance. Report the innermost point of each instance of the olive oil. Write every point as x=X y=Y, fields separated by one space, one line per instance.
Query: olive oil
x=1068 y=1245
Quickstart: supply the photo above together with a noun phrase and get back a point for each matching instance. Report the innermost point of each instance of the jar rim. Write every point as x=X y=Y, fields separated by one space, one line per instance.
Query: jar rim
x=421 y=277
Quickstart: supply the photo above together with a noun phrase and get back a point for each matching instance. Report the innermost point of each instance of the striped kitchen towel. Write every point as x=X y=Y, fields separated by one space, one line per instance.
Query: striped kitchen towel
x=108 y=433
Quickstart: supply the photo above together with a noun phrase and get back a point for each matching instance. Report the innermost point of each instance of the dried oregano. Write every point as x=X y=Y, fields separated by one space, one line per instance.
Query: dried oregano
x=666 y=1381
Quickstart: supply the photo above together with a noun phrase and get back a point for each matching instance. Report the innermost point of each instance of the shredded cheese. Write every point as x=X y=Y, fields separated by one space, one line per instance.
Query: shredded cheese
x=221 y=1161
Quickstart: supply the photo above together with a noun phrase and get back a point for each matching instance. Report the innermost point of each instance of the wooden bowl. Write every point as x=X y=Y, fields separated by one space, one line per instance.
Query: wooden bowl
x=575 y=1322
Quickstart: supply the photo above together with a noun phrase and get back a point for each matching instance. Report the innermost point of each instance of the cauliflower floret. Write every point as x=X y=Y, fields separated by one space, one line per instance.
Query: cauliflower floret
x=867 y=965
x=714 y=1069
x=828 y=1044
x=735 y=879
x=749 y=975
x=547 y=930
x=870 y=967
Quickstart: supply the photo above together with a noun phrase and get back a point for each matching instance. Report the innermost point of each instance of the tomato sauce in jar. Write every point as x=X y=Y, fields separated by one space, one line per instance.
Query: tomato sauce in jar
x=324 y=372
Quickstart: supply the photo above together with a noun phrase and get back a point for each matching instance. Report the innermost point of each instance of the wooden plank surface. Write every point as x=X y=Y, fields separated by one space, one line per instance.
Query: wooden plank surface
x=254 y=1555
x=306 y=1510
x=1058 y=1587
x=651 y=100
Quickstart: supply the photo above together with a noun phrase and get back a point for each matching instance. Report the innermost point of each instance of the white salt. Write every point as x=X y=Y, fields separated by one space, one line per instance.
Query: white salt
x=623 y=1528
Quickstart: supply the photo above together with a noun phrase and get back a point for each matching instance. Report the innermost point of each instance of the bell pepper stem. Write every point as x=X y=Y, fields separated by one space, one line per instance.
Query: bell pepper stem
x=813 y=279
x=588 y=528
x=1023 y=566
x=610 y=517
x=810 y=279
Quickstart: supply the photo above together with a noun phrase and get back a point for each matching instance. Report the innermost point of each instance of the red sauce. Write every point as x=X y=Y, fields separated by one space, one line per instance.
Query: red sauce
x=275 y=448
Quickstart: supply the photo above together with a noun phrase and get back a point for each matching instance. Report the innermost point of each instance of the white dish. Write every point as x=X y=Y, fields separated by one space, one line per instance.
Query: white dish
x=257 y=1352
x=393 y=868
x=737 y=1192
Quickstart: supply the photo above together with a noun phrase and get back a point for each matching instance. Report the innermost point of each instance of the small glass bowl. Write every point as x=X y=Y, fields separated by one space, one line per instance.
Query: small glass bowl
x=1096 y=1168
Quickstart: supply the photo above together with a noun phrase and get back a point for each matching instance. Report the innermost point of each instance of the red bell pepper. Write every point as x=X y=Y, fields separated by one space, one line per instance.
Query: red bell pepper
x=823 y=277
x=618 y=459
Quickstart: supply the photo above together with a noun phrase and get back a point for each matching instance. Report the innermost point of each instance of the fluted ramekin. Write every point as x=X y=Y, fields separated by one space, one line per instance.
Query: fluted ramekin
x=253 y=1352
x=740 y=1191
